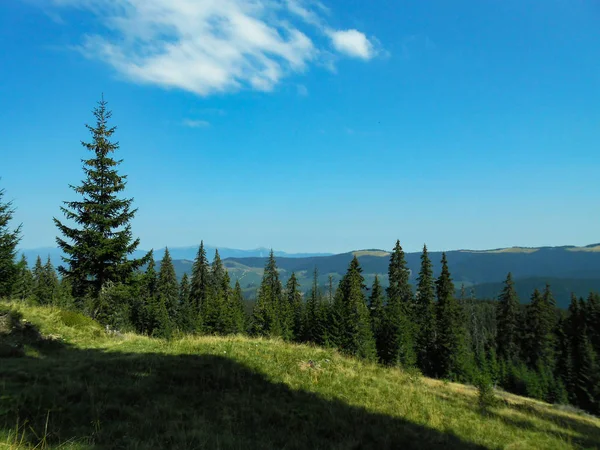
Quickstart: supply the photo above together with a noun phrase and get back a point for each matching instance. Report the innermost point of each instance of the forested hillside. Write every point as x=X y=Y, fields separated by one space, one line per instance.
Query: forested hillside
x=415 y=321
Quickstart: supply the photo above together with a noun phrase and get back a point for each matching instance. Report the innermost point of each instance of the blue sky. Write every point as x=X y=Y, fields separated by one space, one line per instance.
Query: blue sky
x=312 y=126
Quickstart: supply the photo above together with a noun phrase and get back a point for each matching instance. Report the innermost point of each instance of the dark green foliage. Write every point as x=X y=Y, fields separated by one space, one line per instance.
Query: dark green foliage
x=9 y=239
x=398 y=329
x=377 y=312
x=294 y=299
x=45 y=282
x=237 y=322
x=214 y=308
x=508 y=321
x=425 y=317
x=186 y=314
x=452 y=358
x=315 y=317
x=168 y=287
x=540 y=324
x=356 y=337
x=23 y=287
x=199 y=284
x=97 y=249
x=267 y=317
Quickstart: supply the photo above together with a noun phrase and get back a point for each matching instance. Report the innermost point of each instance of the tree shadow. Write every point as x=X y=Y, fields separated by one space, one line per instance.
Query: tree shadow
x=147 y=400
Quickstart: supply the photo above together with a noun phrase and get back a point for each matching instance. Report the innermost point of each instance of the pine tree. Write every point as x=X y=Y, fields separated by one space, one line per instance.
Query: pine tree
x=358 y=337
x=425 y=316
x=45 y=282
x=376 y=309
x=398 y=326
x=508 y=321
x=213 y=309
x=9 y=239
x=237 y=307
x=186 y=316
x=200 y=284
x=145 y=312
x=452 y=354
x=294 y=299
x=64 y=297
x=266 y=317
x=23 y=288
x=98 y=251
x=540 y=326
x=168 y=287
x=315 y=323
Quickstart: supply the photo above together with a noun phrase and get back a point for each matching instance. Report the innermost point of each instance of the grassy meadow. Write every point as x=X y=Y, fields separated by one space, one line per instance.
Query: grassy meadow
x=65 y=382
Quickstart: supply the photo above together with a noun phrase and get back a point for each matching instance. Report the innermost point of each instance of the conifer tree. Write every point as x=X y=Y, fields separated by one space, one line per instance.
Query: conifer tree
x=294 y=299
x=315 y=323
x=38 y=282
x=145 y=313
x=168 y=287
x=376 y=309
x=9 y=239
x=266 y=317
x=186 y=316
x=398 y=326
x=508 y=321
x=45 y=282
x=23 y=288
x=213 y=310
x=452 y=354
x=237 y=308
x=540 y=326
x=356 y=336
x=200 y=284
x=98 y=248
x=425 y=316
x=64 y=297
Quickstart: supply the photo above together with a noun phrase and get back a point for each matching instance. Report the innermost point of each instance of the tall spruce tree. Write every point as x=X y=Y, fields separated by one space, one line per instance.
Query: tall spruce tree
x=452 y=352
x=266 y=317
x=294 y=299
x=23 y=288
x=186 y=317
x=425 y=316
x=540 y=328
x=398 y=326
x=99 y=247
x=9 y=239
x=508 y=311
x=146 y=310
x=45 y=282
x=168 y=287
x=376 y=309
x=356 y=333
x=200 y=284
x=213 y=308
x=315 y=323
x=237 y=308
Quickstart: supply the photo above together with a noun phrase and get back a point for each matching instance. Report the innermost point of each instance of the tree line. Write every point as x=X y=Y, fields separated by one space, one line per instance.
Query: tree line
x=535 y=350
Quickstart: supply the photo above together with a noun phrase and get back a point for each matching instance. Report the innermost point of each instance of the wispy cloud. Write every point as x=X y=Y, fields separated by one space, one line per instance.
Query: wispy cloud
x=196 y=123
x=352 y=43
x=215 y=46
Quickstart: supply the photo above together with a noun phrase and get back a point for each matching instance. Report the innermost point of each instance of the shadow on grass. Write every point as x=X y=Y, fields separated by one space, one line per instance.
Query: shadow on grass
x=588 y=435
x=136 y=400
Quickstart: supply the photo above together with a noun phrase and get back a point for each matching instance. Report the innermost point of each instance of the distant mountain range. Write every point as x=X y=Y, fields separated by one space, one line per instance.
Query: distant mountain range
x=567 y=269
x=176 y=253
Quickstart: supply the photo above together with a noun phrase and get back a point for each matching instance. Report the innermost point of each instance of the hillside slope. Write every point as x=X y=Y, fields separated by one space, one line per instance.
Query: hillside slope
x=75 y=386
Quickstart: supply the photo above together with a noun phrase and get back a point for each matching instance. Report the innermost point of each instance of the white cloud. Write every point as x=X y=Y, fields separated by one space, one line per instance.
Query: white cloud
x=352 y=43
x=212 y=46
x=196 y=123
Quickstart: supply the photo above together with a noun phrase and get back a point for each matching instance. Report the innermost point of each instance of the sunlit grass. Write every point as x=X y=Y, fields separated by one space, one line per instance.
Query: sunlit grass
x=130 y=391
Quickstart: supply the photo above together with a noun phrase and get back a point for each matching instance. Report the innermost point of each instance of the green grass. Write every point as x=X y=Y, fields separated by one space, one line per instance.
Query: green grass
x=78 y=387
